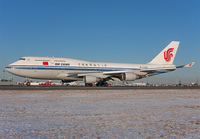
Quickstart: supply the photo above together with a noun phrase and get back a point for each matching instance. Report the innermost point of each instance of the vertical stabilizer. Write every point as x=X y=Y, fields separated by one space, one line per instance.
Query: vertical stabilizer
x=167 y=55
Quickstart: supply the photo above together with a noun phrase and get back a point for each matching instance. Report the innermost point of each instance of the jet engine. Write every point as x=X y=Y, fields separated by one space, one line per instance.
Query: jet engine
x=129 y=76
x=90 y=79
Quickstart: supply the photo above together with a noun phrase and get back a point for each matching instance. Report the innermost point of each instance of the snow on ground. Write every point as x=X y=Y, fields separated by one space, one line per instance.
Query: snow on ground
x=100 y=114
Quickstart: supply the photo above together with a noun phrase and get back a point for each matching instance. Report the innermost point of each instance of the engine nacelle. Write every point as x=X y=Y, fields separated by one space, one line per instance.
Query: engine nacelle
x=129 y=76
x=90 y=79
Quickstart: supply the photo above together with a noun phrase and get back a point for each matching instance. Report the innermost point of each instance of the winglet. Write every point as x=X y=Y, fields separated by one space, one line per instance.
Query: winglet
x=186 y=66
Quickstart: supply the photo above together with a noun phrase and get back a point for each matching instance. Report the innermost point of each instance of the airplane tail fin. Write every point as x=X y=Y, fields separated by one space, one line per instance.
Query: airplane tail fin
x=167 y=55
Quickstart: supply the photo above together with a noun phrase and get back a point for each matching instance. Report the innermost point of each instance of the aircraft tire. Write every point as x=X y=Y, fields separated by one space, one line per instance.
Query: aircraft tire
x=98 y=84
x=88 y=84
x=102 y=84
x=106 y=84
x=28 y=83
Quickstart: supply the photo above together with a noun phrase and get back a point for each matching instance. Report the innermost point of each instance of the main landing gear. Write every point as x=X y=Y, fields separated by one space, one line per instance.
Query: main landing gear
x=88 y=84
x=102 y=84
x=98 y=84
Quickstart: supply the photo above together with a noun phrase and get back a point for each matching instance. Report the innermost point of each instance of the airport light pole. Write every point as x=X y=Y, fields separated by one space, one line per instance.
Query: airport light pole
x=4 y=74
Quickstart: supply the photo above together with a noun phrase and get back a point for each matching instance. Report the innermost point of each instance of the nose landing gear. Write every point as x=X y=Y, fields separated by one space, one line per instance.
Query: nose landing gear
x=28 y=82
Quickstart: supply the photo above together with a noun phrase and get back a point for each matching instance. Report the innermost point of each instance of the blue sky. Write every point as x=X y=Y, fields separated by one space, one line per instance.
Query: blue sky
x=127 y=31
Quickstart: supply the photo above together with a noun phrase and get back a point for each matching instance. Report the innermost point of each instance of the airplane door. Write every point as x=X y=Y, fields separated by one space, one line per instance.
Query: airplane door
x=35 y=68
x=52 y=61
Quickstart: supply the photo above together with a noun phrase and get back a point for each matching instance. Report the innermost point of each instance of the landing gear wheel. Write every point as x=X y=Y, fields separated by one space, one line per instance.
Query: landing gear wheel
x=28 y=83
x=88 y=84
x=102 y=84
x=106 y=84
x=98 y=84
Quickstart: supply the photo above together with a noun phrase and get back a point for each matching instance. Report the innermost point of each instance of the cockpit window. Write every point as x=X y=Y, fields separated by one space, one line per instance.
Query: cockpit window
x=22 y=58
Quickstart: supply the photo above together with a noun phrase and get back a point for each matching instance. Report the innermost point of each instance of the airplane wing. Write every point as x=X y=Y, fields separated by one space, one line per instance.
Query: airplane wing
x=116 y=72
x=157 y=69
x=119 y=75
x=108 y=75
x=98 y=73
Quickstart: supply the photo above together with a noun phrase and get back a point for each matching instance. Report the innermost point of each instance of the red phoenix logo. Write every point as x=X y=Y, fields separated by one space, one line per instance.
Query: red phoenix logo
x=168 y=54
x=190 y=64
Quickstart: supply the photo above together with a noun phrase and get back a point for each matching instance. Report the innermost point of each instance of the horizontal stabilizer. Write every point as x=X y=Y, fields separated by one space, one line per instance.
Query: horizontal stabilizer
x=186 y=66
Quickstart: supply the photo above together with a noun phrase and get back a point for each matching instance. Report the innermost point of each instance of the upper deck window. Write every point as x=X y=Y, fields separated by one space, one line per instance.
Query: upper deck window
x=22 y=58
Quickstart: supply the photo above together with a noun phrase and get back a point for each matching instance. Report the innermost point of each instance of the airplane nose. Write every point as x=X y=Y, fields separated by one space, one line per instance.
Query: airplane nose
x=6 y=68
x=9 y=68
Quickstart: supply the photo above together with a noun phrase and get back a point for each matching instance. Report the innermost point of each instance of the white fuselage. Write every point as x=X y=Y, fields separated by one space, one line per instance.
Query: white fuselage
x=64 y=68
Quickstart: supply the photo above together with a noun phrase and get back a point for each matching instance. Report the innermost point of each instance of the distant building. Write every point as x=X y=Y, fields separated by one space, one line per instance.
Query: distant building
x=7 y=82
x=139 y=84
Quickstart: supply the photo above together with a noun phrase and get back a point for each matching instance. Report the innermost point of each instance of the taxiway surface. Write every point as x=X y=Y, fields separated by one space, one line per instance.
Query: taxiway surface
x=99 y=114
x=89 y=88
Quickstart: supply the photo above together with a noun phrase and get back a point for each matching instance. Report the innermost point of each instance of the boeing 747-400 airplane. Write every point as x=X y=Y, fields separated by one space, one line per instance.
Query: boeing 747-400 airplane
x=68 y=70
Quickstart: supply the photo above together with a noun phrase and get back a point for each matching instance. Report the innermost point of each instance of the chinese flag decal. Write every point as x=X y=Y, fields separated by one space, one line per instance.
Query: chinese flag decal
x=45 y=63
